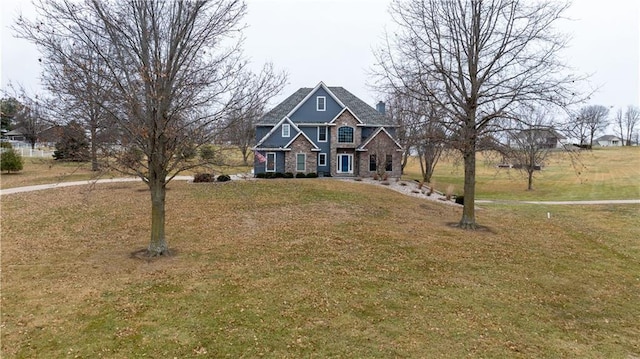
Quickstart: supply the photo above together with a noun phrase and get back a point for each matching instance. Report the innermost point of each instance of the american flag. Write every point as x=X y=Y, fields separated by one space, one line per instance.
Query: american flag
x=261 y=158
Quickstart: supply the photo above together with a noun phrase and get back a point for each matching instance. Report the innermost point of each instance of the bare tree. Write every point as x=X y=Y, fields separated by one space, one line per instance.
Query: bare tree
x=531 y=142
x=31 y=119
x=627 y=122
x=250 y=102
x=171 y=67
x=70 y=72
x=590 y=121
x=478 y=61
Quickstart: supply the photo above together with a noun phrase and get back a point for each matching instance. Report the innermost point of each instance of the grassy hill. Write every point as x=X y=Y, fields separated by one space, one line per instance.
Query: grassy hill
x=604 y=173
x=314 y=269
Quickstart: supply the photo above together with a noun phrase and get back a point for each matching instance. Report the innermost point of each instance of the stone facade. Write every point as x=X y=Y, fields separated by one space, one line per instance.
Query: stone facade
x=345 y=119
x=382 y=145
x=301 y=145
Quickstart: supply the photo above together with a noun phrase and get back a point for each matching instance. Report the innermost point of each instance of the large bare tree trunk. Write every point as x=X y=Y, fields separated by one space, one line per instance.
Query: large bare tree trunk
x=158 y=245
x=468 y=220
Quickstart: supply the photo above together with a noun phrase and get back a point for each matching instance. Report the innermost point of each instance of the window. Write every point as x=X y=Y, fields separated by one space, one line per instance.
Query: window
x=322 y=159
x=271 y=162
x=389 y=166
x=373 y=166
x=321 y=103
x=345 y=134
x=286 y=130
x=301 y=161
x=322 y=134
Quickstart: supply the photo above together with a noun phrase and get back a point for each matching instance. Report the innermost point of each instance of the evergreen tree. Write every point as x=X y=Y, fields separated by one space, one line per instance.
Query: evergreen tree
x=73 y=145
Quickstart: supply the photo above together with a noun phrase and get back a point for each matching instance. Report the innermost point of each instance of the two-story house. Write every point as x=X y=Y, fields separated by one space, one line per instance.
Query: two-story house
x=329 y=131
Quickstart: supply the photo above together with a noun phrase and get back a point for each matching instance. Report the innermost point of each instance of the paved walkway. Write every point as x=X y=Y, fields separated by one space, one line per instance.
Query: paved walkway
x=188 y=178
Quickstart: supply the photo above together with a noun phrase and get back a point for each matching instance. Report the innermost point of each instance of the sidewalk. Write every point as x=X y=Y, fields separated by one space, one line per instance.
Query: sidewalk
x=402 y=189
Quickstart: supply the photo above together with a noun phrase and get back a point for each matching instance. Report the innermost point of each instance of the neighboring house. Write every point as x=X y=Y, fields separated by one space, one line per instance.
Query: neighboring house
x=608 y=140
x=15 y=135
x=544 y=137
x=328 y=131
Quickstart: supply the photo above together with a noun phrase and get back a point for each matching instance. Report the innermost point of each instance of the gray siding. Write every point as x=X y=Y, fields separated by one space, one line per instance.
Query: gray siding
x=308 y=112
x=276 y=139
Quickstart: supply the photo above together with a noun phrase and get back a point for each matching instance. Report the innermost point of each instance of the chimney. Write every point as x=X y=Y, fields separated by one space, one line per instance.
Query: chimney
x=380 y=107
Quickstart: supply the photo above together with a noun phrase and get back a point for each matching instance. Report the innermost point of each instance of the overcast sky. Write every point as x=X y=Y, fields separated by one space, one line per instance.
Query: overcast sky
x=332 y=41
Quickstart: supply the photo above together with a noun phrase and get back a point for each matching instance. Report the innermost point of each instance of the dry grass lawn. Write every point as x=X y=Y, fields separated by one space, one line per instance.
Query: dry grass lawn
x=314 y=269
x=604 y=173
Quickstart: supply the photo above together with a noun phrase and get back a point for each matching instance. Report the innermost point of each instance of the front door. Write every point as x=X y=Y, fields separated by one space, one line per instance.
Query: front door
x=345 y=163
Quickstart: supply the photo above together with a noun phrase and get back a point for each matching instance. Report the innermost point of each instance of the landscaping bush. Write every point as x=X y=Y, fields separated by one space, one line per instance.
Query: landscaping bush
x=202 y=177
x=207 y=152
x=269 y=175
x=460 y=200
x=312 y=175
x=10 y=161
x=300 y=175
x=261 y=175
x=224 y=178
x=6 y=145
x=278 y=175
x=288 y=175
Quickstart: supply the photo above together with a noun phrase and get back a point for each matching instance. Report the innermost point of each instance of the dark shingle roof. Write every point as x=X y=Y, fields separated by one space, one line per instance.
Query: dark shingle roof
x=367 y=114
x=283 y=108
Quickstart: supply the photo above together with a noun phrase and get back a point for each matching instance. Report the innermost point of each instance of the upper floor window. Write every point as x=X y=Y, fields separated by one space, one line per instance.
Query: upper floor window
x=321 y=103
x=286 y=130
x=322 y=134
x=345 y=134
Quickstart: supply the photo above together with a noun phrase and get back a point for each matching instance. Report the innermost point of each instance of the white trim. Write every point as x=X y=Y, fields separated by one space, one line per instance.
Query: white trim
x=275 y=127
x=326 y=134
x=304 y=163
x=311 y=93
x=324 y=103
x=325 y=159
x=275 y=161
x=287 y=133
x=315 y=148
x=352 y=114
x=375 y=134
x=339 y=164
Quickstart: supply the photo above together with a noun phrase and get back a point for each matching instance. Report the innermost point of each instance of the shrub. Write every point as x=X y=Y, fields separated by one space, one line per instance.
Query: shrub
x=6 y=145
x=269 y=175
x=300 y=175
x=312 y=175
x=207 y=152
x=376 y=177
x=224 y=178
x=202 y=177
x=261 y=175
x=460 y=200
x=278 y=175
x=73 y=145
x=288 y=175
x=10 y=160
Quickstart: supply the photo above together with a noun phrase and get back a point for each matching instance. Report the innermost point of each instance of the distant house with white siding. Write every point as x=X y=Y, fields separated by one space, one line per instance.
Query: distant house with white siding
x=608 y=141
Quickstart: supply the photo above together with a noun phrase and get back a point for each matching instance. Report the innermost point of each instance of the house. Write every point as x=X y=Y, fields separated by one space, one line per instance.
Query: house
x=16 y=135
x=328 y=131
x=543 y=137
x=608 y=140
